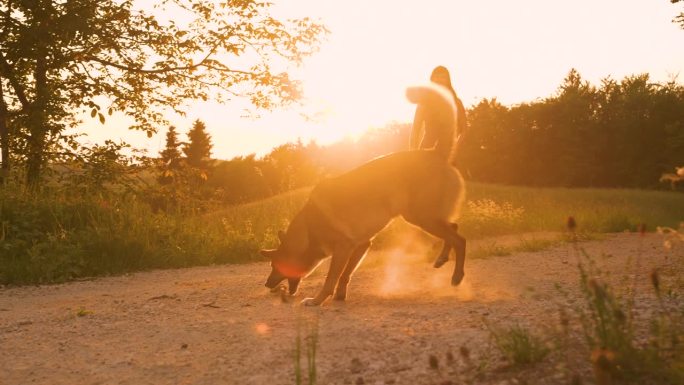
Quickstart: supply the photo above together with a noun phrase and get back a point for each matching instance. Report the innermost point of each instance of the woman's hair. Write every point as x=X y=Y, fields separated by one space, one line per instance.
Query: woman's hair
x=443 y=73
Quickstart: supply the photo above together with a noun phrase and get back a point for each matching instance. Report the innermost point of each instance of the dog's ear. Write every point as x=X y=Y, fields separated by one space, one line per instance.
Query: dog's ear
x=281 y=235
x=268 y=253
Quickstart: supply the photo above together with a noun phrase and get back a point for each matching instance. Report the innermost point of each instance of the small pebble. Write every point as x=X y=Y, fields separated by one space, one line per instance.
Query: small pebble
x=434 y=363
x=356 y=365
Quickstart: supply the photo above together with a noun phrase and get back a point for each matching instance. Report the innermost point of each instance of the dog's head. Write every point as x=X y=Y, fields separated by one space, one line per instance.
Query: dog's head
x=293 y=260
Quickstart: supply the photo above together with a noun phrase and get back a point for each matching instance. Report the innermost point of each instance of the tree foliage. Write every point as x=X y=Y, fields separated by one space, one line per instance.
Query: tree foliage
x=198 y=148
x=170 y=157
x=58 y=57
x=679 y=19
x=622 y=133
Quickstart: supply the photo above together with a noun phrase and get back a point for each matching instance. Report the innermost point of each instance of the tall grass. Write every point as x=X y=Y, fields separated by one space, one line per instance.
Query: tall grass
x=599 y=210
x=493 y=210
x=620 y=353
x=311 y=342
x=518 y=344
x=54 y=237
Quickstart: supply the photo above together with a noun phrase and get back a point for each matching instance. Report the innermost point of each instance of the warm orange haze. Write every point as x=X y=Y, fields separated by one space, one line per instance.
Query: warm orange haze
x=341 y=192
x=513 y=51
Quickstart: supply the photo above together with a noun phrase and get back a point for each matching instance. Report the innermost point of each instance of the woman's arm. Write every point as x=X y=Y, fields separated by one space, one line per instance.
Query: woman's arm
x=461 y=120
x=417 y=129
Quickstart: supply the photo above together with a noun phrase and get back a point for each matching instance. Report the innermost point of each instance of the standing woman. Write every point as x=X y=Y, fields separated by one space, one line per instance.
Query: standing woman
x=433 y=130
x=429 y=128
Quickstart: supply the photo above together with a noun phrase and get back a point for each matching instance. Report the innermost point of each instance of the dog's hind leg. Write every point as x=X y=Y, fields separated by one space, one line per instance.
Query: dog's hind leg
x=446 y=249
x=340 y=257
x=452 y=239
x=443 y=256
x=460 y=249
x=354 y=261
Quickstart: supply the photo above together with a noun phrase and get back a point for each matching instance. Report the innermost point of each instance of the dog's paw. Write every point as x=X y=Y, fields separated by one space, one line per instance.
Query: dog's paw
x=457 y=278
x=309 y=302
x=439 y=262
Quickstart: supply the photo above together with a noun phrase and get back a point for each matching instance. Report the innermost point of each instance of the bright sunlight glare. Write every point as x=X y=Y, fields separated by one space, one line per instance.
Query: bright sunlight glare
x=514 y=51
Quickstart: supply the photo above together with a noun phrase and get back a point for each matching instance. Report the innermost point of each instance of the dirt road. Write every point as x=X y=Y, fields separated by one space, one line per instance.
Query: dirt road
x=219 y=325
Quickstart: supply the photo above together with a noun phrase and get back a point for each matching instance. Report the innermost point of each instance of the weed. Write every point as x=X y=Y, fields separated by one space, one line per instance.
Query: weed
x=311 y=345
x=608 y=323
x=82 y=312
x=518 y=344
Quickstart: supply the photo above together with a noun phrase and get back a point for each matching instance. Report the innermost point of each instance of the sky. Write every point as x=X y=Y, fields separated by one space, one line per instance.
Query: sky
x=515 y=51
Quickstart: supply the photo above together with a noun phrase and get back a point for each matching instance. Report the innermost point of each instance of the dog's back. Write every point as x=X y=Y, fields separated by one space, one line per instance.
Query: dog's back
x=344 y=213
x=413 y=184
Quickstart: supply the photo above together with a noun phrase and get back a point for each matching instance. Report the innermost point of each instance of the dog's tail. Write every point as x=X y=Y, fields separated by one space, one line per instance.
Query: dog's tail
x=442 y=107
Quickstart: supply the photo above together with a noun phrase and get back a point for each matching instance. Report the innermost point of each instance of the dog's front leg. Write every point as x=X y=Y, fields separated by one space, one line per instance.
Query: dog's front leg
x=354 y=261
x=337 y=263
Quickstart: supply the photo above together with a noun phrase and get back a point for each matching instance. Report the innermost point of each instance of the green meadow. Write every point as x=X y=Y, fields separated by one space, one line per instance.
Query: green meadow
x=49 y=238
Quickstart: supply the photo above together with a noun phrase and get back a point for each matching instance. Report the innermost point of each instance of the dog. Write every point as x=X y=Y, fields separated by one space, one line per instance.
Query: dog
x=343 y=214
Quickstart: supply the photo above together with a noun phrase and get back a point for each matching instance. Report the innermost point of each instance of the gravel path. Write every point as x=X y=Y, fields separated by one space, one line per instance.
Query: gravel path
x=219 y=325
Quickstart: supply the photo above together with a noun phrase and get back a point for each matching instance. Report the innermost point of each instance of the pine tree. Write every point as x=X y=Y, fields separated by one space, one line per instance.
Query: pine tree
x=198 y=149
x=170 y=156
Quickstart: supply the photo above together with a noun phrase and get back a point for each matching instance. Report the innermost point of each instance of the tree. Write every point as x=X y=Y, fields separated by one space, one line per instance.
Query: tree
x=58 y=57
x=170 y=156
x=679 y=19
x=240 y=180
x=622 y=134
x=198 y=148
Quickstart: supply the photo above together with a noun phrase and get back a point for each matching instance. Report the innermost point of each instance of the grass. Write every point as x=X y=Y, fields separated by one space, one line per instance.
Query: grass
x=518 y=344
x=495 y=210
x=623 y=338
x=82 y=312
x=608 y=321
x=311 y=342
x=56 y=237
x=544 y=209
x=52 y=238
